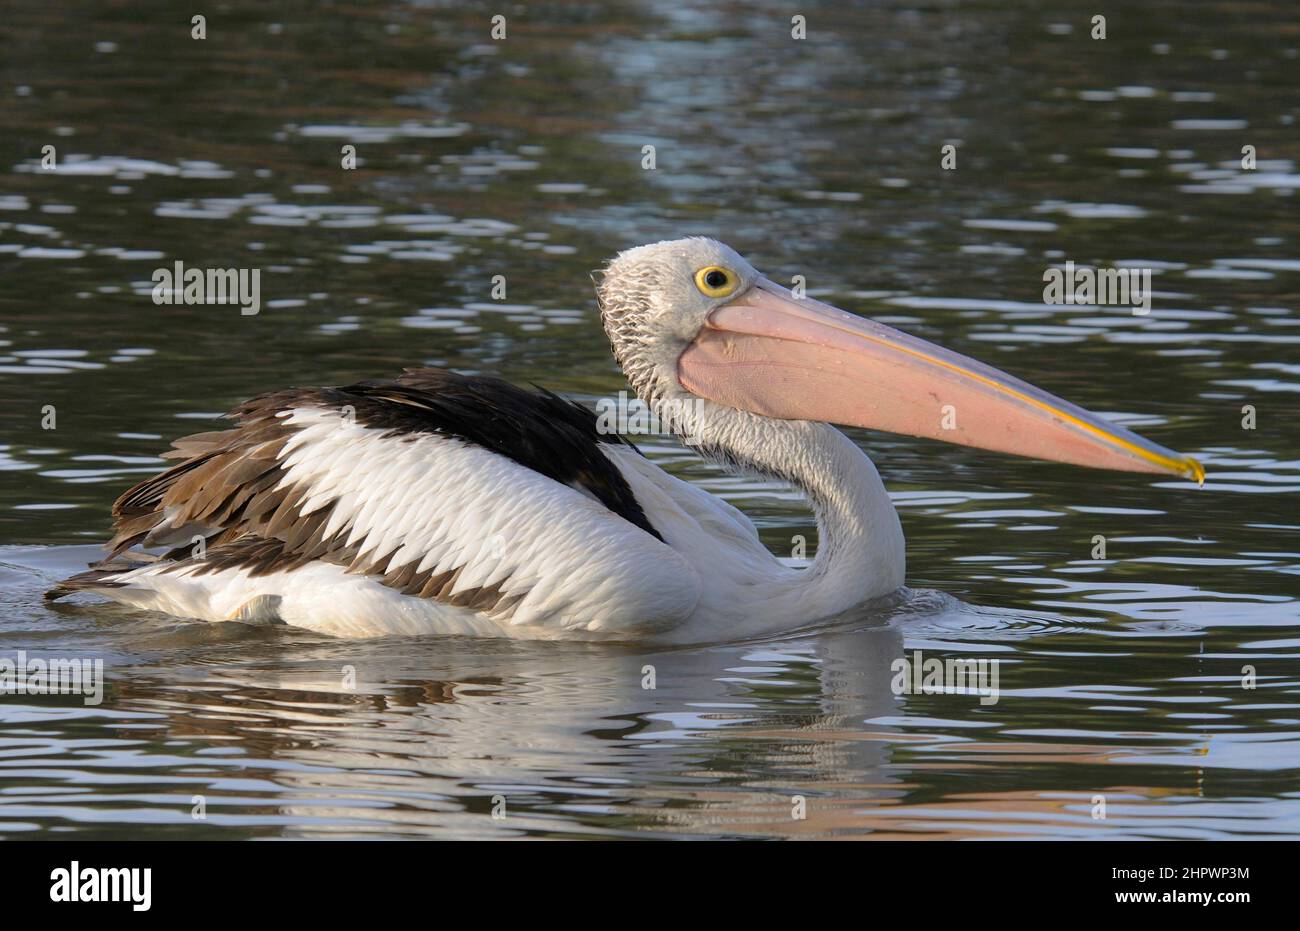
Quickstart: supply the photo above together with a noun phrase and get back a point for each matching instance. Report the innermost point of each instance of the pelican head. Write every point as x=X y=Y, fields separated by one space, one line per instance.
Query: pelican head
x=691 y=319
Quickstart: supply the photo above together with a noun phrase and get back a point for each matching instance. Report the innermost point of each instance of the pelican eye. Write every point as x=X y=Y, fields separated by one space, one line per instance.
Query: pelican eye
x=716 y=281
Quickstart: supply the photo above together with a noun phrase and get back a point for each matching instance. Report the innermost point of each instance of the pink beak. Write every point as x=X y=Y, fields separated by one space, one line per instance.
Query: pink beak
x=799 y=359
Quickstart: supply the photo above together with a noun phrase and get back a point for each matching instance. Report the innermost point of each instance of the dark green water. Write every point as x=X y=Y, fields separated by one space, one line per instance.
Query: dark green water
x=1120 y=677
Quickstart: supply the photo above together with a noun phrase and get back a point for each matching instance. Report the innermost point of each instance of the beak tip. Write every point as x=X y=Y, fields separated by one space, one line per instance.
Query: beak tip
x=1192 y=469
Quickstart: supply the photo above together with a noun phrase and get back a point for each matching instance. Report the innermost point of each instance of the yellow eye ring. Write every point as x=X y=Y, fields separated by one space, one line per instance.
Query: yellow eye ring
x=716 y=281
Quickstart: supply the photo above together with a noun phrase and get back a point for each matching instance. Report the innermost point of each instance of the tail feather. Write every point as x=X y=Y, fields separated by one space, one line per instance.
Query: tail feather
x=100 y=575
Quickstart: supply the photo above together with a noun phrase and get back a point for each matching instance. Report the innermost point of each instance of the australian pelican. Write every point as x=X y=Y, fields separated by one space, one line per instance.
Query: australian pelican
x=436 y=503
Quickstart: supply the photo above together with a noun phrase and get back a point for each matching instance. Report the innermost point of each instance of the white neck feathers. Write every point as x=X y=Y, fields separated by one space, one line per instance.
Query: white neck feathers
x=860 y=553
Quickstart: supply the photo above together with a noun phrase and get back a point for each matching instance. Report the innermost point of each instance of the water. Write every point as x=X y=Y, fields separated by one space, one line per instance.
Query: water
x=1120 y=677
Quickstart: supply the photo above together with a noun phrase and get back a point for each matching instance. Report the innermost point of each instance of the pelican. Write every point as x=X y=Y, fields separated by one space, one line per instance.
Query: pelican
x=436 y=503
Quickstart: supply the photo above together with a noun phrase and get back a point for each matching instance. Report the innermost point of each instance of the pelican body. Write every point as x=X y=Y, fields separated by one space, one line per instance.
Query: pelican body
x=440 y=504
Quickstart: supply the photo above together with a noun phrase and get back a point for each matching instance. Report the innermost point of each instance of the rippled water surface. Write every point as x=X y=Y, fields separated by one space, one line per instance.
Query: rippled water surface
x=1121 y=677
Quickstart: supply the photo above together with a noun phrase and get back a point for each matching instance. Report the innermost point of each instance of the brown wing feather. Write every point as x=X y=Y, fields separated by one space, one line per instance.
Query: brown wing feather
x=212 y=490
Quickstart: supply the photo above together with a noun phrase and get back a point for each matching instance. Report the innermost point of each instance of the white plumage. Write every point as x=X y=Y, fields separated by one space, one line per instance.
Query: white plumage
x=443 y=504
